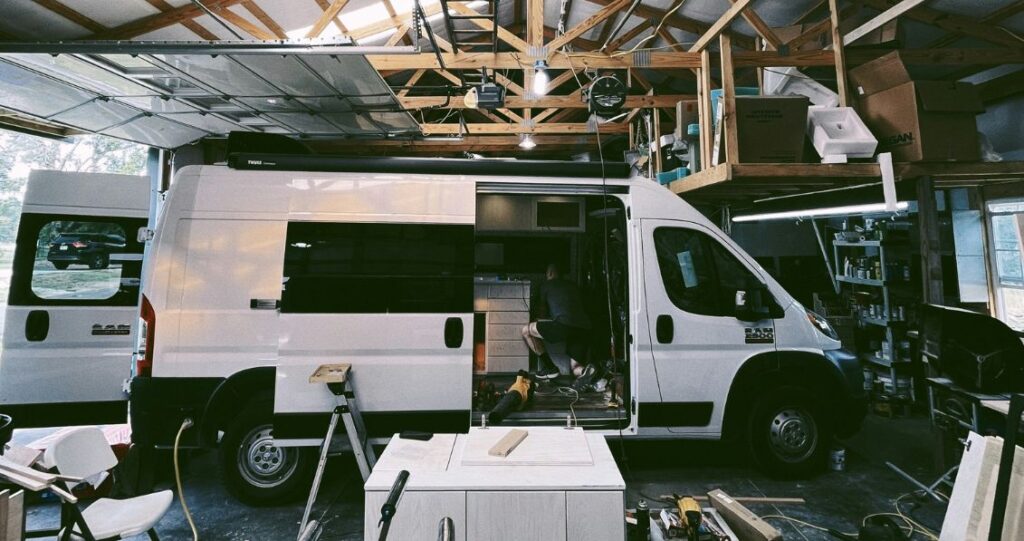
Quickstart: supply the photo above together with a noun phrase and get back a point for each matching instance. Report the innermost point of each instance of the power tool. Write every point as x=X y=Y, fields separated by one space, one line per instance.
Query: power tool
x=515 y=397
x=690 y=514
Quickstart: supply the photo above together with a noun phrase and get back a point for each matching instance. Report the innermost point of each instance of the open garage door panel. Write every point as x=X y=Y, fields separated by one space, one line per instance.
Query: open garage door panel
x=168 y=100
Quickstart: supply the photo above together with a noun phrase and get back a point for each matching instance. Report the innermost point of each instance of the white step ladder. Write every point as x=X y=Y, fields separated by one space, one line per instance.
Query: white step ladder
x=336 y=376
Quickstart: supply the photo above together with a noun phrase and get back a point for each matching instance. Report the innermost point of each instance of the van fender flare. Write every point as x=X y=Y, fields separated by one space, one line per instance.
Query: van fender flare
x=768 y=370
x=231 y=396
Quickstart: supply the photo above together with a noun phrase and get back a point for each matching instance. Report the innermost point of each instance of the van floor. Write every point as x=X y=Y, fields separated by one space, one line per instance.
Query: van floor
x=553 y=399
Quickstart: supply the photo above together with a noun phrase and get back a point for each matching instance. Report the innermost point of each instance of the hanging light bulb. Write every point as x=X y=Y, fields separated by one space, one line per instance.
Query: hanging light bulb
x=526 y=141
x=540 y=77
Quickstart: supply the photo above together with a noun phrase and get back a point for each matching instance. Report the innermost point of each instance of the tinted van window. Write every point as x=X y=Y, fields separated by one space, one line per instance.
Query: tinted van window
x=378 y=268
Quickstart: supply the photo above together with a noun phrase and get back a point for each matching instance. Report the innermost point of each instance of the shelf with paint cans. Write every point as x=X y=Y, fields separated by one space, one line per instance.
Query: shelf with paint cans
x=873 y=272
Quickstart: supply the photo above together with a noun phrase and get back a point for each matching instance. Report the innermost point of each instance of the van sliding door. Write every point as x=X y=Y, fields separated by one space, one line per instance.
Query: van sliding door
x=391 y=294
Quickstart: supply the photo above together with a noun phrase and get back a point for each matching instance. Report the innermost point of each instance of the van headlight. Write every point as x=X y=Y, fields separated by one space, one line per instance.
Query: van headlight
x=822 y=325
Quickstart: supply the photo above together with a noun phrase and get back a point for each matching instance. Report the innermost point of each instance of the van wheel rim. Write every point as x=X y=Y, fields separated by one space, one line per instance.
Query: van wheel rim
x=262 y=463
x=793 y=434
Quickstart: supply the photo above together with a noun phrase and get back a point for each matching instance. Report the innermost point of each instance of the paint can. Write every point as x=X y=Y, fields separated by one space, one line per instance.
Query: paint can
x=837 y=459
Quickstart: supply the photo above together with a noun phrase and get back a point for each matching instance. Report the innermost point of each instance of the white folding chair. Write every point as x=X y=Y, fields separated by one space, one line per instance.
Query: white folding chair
x=84 y=453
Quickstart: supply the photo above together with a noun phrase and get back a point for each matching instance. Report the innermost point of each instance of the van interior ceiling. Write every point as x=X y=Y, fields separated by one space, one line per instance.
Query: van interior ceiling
x=517 y=237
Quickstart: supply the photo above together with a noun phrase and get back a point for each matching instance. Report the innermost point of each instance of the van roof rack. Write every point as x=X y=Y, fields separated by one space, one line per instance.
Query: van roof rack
x=444 y=166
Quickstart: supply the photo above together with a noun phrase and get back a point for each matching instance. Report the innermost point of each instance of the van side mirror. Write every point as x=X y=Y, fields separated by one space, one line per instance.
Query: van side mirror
x=751 y=303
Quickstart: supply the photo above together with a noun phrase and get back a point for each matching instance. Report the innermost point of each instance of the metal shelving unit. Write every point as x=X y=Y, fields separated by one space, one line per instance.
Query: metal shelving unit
x=875 y=280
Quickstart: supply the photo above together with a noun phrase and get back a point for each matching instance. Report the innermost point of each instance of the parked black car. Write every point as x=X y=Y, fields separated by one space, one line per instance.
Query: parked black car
x=92 y=249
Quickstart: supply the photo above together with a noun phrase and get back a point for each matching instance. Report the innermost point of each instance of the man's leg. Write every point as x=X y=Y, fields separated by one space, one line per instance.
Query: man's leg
x=546 y=368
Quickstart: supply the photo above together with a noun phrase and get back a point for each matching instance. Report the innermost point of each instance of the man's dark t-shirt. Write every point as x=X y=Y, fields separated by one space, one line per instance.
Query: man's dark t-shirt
x=564 y=304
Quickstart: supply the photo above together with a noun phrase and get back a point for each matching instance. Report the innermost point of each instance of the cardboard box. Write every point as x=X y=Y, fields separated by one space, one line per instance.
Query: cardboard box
x=770 y=129
x=788 y=33
x=916 y=120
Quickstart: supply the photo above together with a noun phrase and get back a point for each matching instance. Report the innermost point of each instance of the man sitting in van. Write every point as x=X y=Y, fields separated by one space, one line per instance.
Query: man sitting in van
x=564 y=321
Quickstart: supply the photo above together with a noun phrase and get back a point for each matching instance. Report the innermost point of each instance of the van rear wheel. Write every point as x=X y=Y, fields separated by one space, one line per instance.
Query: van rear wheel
x=788 y=433
x=99 y=261
x=256 y=471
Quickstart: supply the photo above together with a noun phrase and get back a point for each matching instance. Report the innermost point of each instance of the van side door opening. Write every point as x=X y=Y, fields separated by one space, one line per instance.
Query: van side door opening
x=517 y=237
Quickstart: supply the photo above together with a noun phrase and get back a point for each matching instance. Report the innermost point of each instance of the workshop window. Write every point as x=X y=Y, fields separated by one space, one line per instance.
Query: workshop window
x=1007 y=241
x=700 y=275
x=378 y=268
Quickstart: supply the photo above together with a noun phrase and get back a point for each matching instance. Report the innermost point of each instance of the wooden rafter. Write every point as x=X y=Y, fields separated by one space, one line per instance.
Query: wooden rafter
x=1002 y=87
x=657 y=60
x=72 y=15
x=954 y=23
x=544 y=128
x=244 y=24
x=995 y=17
x=400 y=34
x=678 y=21
x=720 y=25
x=264 y=18
x=840 y=54
x=190 y=24
x=881 y=19
x=329 y=14
x=585 y=25
x=762 y=28
x=154 y=22
x=625 y=38
x=504 y=35
x=415 y=78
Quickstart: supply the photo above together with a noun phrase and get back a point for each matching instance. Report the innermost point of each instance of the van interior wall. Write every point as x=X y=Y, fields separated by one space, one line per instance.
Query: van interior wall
x=514 y=244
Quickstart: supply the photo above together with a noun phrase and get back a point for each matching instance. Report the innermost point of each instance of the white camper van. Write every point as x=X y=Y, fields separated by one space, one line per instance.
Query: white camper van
x=73 y=302
x=420 y=274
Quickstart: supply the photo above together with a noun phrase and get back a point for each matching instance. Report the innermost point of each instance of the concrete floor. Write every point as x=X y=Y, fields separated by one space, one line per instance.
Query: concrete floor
x=835 y=499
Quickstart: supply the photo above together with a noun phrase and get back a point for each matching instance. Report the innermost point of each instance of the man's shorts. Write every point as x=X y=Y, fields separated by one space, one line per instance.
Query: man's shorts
x=575 y=339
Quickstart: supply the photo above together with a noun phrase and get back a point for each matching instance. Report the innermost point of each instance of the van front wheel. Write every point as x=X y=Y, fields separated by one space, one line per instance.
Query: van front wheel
x=788 y=433
x=256 y=471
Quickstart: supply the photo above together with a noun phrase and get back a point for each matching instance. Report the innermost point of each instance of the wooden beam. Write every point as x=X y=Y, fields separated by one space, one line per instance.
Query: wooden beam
x=546 y=128
x=728 y=105
x=996 y=16
x=264 y=18
x=882 y=18
x=509 y=84
x=487 y=25
x=398 y=36
x=325 y=18
x=192 y=25
x=704 y=109
x=678 y=21
x=587 y=24
x=244 y=24
x=720 y=25
x=413 y=79
x=629 y=35
x=931 y=255
x=145 y=25
x=657 y=60
x=535 y=22
x=762 y=28
x=840 y=57
x=71 y=15
x=388 y=24
x=1001 y=87
x=953 y=23
x=811 y=10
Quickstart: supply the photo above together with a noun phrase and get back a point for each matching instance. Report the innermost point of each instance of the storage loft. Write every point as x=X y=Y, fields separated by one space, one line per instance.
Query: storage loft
x=726 y=183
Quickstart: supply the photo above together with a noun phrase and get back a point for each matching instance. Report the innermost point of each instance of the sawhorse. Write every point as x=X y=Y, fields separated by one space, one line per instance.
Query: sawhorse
x=336 y=376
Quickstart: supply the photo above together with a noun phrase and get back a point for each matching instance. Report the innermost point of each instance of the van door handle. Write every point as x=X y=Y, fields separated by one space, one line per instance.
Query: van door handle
x=264 y=304
x=37 y=325
x=453 y=331
x=664 y=329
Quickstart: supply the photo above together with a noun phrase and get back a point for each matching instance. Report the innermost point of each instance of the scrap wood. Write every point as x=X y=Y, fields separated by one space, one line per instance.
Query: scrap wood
x=745 y=499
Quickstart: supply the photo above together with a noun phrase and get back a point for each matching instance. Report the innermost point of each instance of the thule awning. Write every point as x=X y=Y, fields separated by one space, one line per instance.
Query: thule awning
x=168 y=94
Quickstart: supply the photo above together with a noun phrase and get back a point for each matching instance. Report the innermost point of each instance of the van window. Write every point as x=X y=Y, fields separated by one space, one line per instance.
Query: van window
x=700 y=275
x=378 y=268
x=76 y=260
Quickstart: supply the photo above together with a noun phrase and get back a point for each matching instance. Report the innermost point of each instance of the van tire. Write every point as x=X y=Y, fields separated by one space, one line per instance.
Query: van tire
x=99 y=261
x=257 y=472
x=60 y=265
x=788 y=433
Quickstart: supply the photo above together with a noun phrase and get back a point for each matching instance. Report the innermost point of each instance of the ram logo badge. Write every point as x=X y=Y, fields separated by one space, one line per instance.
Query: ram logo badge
x=760 y=335
x=120 y=329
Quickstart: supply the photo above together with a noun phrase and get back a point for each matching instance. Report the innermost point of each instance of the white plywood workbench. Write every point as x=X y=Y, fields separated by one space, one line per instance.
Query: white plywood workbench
x=559 y=484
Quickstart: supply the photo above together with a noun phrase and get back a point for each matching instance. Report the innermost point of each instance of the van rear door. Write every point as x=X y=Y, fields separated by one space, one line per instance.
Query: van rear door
x=381 y=277
x=67 y=342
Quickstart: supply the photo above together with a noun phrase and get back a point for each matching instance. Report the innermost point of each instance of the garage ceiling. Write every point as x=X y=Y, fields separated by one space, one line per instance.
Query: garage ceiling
x=187 y=97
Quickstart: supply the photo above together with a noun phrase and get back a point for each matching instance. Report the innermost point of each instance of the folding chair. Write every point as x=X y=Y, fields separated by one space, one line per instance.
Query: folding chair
x=84 y=453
